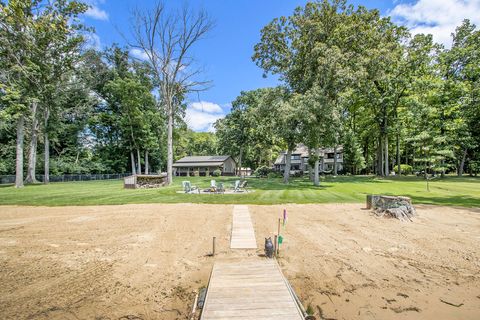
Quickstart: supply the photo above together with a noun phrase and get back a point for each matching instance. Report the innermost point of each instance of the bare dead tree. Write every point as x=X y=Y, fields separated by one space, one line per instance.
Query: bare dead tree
x=166 y=39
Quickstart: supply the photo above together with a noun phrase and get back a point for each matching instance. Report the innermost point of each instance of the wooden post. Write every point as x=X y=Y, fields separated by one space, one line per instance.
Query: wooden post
x=275 y=246
x=213 y=252
x=278 y=244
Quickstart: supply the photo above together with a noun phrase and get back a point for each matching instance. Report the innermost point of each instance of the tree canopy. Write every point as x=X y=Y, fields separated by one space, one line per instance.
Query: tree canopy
x=350 y=79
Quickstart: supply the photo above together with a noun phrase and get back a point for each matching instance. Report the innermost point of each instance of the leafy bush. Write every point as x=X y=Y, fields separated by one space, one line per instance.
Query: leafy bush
x=474 y=167
x=406 y=169
x=217 y=173
x=262 y=171
x=273 y=175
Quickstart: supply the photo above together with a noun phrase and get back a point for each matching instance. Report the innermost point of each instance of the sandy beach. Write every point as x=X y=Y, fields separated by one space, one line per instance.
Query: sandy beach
x=146 y=261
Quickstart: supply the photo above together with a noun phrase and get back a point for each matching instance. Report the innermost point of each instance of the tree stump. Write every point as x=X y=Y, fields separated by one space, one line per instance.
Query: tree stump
x=391 y=206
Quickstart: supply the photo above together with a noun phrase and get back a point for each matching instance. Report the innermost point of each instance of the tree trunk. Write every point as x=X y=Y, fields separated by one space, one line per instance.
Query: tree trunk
x=239 y=172
x=365 y=153
x=132 y=159
x=139 y=165
x=46 y=142
x=380 y=157
x=146 y=162
x=19 y=160
x=425 y=163
x=411 y=157
x=462 y=163
x=288 y=160
x=311 y=169
x=46 y=178
x=316 y=178
x=32 y=156
x=399 y=169
x=323 y=162
x=335 y=160
x=170 y=145
x=387 y=173
x=442 y=164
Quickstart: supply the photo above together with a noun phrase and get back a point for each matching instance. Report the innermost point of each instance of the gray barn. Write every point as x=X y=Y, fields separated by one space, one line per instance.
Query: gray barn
x=204 y=164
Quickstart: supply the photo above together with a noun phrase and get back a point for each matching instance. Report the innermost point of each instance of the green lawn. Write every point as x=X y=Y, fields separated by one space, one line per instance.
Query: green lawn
x=449 y=191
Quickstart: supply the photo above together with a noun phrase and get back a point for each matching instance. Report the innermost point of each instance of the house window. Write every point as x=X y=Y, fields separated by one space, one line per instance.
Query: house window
x=329 y=155
x=296 y=157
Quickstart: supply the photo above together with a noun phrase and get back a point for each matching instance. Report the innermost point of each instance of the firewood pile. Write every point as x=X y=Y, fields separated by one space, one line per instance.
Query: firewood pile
x=147 y=182
x=391 y=206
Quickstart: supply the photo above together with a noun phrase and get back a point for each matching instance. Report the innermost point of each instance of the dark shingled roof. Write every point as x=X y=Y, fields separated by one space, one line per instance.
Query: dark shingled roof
x=198 y=164
x=202 y=159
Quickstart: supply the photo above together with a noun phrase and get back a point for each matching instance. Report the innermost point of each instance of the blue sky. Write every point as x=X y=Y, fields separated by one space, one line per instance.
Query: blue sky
x=226 y=52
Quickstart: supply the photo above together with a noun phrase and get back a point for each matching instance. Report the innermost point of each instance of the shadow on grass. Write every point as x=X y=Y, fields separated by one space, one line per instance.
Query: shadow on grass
x=26 y=185
x=465 y=201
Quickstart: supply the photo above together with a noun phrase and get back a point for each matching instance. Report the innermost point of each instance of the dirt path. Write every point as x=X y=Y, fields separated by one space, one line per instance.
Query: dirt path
x=144 y=261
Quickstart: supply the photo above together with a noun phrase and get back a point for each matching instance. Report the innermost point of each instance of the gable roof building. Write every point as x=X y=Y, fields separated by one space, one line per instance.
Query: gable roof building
x=203 y=164
x=299 y=160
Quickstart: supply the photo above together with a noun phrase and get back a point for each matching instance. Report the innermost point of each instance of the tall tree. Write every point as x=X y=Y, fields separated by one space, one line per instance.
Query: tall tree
x=18 y=74
x=40 y=40
x=316 y=51
x=61 y=42
x=286 y=126
x=461 y=92
x=167 y=39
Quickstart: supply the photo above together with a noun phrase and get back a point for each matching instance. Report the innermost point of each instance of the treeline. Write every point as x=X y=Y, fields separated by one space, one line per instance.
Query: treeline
x=68 y=108
x=351 y=77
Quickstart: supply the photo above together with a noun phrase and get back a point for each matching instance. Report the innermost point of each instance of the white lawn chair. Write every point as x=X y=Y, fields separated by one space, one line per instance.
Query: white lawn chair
x=240 y=186
x=188 y=188
x=236 y=186
x=213 y=186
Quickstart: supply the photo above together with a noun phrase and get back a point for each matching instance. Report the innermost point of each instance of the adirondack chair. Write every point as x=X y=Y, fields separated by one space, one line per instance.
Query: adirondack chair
x=213 y=187
x=188 y=188
x=236 y=186
x=243 y=185
x=240 y=186
x=220 y=188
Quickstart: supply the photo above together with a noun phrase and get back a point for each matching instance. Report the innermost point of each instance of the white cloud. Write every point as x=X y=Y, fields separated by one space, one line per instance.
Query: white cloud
x=205 y=106
x=139 y=54
x=200 y=116
x=93 y=41
x=95 y=12
x=437 y=17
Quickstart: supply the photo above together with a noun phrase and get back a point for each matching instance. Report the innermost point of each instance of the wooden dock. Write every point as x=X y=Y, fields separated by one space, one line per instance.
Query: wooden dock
x=250 y=288
x=243 y=235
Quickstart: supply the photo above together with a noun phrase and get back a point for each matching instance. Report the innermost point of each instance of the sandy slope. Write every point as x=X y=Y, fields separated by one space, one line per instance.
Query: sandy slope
x=144 y=261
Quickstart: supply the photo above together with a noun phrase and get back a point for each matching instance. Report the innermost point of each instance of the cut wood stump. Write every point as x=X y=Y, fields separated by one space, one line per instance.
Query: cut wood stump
x=391 y=206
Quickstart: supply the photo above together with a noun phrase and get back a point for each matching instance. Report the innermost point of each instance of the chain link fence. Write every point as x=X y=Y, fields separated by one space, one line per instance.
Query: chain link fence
x=10 y=179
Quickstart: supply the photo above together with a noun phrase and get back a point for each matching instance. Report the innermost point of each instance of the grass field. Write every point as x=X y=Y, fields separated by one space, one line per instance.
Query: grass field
x=448 y=191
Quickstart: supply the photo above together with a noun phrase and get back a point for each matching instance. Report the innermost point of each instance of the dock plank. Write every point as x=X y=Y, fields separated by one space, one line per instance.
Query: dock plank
x=249 y=288
x=243 y=235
